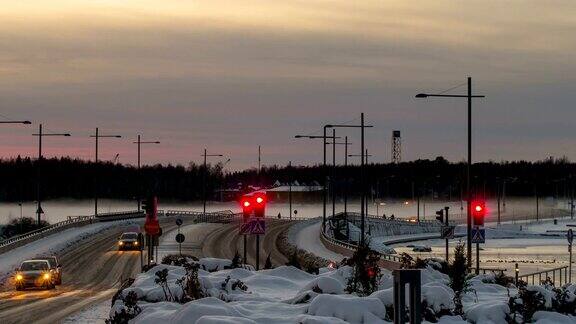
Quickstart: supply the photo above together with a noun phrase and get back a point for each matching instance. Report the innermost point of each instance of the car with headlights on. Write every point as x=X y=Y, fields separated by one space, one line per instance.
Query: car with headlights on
x=128 y=241
x=55 y=267
x=34 y=273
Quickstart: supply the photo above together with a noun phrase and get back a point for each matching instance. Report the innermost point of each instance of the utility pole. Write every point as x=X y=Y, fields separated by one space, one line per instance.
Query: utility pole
x=204 y=179
x=290 y=188
x=346 y=175
x=333 y=180
x=96 y=175
x=362 y=189
x=468 y=167
x=41 y=134
x=447 y=224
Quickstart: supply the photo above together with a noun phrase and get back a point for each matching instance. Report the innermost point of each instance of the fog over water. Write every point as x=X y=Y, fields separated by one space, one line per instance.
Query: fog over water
x=515 y=209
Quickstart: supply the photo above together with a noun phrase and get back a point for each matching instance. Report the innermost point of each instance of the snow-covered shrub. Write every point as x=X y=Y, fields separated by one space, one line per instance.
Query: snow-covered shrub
x=565 y=300
x=124 y=310
x=179 y=260
x=236 y=261
x=293 y=261
x=162 y=280
x=214 y=264
x=457 y=271
x=190 y=283
x=268 y=263
x=366 y=272
x=523 y=306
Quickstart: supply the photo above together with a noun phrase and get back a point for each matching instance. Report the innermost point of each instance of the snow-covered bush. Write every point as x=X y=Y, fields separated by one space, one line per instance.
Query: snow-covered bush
x=366 y=272
x=543 y=298
x=179 y=260
x=457 y=271
x=124 y=310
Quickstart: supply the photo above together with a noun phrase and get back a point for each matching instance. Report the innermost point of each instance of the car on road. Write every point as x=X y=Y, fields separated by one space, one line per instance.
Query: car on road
x=34 y=273
x=55 y=268
x=128 y=241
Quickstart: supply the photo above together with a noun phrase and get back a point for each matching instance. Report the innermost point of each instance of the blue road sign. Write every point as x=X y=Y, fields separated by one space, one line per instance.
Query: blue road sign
x=478 y=235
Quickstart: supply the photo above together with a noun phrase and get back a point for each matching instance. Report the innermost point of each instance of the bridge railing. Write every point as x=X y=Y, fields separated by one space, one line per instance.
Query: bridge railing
x=352 y=247
x=69 y=222
x=560 y=273
x=209 y=217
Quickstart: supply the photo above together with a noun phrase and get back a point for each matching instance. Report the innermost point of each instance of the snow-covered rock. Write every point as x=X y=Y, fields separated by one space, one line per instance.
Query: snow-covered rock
x=351 y=309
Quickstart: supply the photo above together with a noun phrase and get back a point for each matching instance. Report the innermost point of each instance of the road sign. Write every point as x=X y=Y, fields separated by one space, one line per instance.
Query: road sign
x=180 y=238
x=259 y=227
x=255 y=226
x=178 y=221
x=448 y=232
x=478 y=235
x=570 y=236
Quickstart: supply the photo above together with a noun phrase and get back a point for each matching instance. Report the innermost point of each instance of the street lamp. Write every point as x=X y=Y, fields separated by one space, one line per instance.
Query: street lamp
x=324 y=192
x=469 y=96
x=140 y=142
x=346 y=144
x=24 y=122
x=40 y=134
x=204 y=181
x=96 y=136
x=362 y=126
x=365 y=157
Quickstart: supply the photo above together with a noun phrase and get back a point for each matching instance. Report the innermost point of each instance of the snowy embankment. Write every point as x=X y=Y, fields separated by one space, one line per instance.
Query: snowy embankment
x=53 y=244
x=306 y=236
x=288 y=295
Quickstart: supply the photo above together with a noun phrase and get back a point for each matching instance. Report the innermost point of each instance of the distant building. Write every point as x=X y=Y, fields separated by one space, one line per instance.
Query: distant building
x=278 y=192
x=300 y=192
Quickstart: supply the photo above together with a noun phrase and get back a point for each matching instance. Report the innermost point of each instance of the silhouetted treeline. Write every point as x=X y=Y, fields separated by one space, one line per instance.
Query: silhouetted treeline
x=436 y=178
x=74 y=178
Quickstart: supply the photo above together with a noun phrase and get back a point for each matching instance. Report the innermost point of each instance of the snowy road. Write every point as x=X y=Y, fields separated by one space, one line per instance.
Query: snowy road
x=224 y=242
x=308 y=239
x=92 y=270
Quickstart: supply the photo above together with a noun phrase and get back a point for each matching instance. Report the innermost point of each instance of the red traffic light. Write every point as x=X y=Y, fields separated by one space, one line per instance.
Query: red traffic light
x=478 y=212
x=260 y=204
x=246 y=204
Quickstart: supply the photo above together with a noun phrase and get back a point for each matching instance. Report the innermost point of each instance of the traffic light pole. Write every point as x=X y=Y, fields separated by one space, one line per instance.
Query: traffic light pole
x=468 y=192
x=257 y=252
x=477 y=258
x=245 y=239
x=447 y=224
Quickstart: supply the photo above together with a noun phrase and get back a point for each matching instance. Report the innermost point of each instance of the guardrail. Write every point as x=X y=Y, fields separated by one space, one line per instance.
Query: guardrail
x=352 y=247
x=209 y=217
x=559 y=271
x=70 y=222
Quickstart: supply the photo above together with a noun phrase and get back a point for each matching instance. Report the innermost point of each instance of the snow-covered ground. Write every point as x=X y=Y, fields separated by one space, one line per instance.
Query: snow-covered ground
x=96 y=313
x=306 y=236
x=53 y=244
x=288 y=295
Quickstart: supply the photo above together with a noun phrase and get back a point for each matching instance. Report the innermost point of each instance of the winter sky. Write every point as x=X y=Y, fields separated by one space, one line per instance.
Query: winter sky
x=230 y=75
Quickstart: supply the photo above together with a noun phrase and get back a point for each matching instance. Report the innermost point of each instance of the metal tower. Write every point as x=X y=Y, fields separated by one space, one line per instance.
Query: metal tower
x=396 y=147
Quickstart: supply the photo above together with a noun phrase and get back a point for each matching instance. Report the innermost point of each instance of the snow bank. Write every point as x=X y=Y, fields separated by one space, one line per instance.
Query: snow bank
x=351 y=309
x=288 y=295
x=543 y=317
